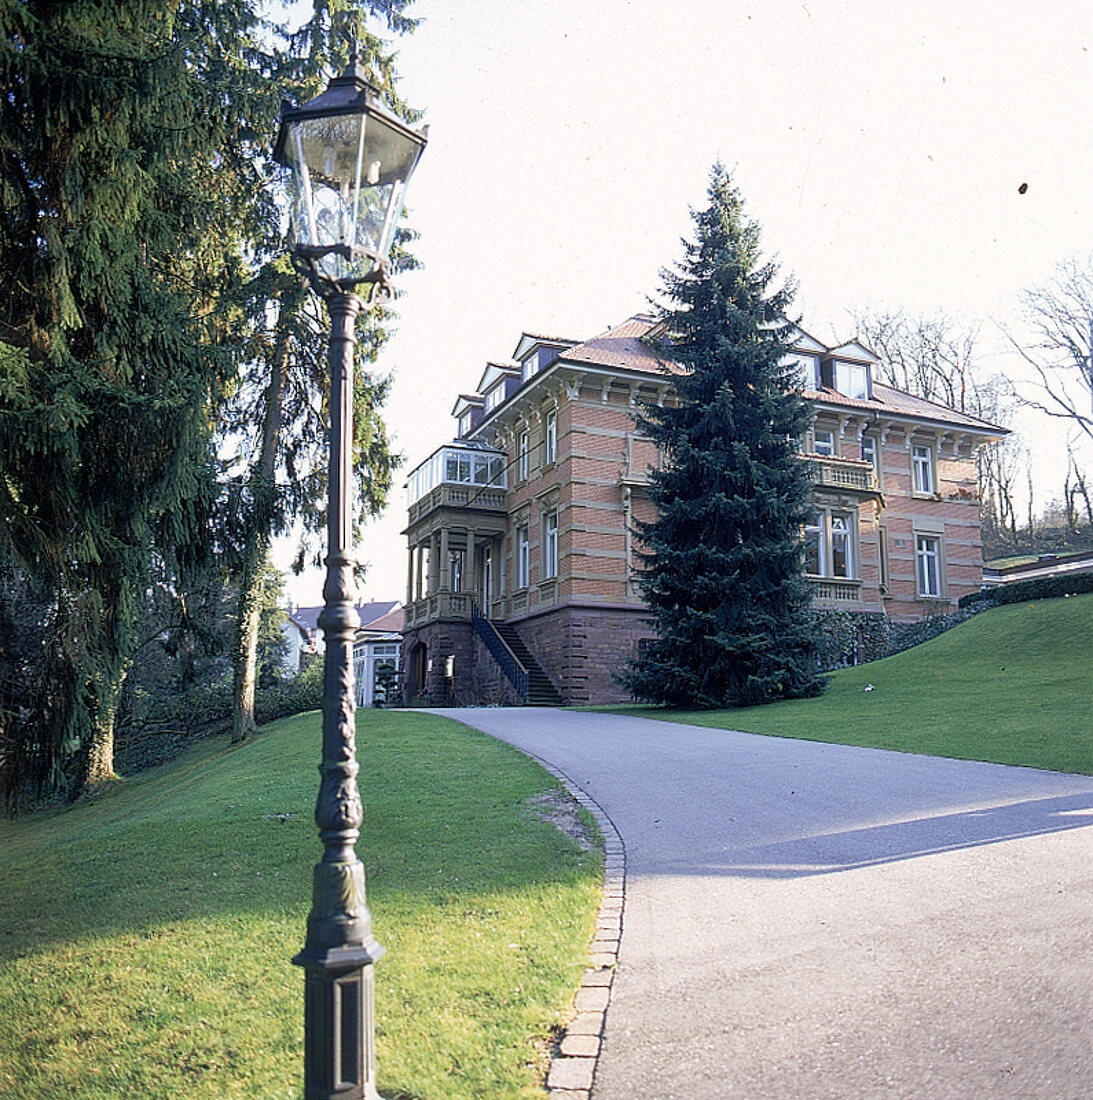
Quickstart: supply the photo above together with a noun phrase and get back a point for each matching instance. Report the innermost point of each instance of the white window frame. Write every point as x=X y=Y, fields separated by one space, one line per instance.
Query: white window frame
x=870 y=452
x=929 y=566
x=550 y=437
x=829 y=437
x=523 y=556
x=814 y=534
x=805 y=367
x=841 y=538
x=832 y=528
x=550 y=545
x=923 y=472
x=457 y=466
x=852 y=380
x=523 y=448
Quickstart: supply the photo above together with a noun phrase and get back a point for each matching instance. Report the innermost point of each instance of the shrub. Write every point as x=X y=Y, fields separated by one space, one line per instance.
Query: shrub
x=1036 y=588
x=857 y=637
x=204 y=710
x=291 y=696
x=850 y=637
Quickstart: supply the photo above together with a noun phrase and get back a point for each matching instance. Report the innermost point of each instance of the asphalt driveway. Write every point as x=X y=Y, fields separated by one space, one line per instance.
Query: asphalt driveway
x=809 y=921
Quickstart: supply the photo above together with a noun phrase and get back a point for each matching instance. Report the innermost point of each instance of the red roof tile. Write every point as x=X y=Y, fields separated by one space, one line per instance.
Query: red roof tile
x=622 y=346
x=893 y=402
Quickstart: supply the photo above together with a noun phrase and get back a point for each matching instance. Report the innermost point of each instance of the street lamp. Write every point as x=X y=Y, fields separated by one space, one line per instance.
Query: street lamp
x=349 y=160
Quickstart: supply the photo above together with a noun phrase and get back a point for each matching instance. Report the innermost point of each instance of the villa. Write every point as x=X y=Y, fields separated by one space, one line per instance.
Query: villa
x=522 y=552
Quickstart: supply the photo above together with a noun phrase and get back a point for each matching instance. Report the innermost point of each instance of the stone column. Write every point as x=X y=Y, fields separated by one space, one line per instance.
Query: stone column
x=444 y=574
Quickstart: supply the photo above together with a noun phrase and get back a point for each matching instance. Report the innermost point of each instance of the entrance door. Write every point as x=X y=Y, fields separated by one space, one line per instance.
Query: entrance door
x=486 y=580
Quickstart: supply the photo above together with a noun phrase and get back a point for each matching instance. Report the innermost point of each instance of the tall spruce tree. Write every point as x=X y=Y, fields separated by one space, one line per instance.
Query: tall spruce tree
x=723 y=568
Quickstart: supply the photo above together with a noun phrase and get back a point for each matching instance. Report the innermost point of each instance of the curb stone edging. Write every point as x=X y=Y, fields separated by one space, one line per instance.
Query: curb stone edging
x=573 y=1067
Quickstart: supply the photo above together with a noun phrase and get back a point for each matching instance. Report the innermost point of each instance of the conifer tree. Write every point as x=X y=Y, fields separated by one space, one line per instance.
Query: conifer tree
x=139 y=245
x=277 y=420
x=722 y=566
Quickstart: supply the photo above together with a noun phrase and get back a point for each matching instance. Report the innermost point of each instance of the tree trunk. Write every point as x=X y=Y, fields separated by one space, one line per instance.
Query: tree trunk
x=246 y=650
x=100 y=755
x=100 y=761
x=255 y=552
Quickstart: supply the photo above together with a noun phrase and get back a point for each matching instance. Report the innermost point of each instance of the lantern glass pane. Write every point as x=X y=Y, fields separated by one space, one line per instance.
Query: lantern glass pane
x=349 y=182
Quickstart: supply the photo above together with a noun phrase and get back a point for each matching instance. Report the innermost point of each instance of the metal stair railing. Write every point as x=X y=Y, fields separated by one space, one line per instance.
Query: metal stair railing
x=507 y=660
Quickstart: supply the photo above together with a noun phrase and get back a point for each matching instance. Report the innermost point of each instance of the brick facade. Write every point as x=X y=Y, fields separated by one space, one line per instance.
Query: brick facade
x=554 y=552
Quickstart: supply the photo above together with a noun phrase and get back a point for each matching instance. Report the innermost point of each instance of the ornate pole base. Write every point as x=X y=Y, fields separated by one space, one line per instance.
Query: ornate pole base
x=339 y=1025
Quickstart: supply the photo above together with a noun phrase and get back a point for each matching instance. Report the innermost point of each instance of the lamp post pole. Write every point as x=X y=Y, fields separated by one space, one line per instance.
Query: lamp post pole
x=339 y=1032
x=349 y=160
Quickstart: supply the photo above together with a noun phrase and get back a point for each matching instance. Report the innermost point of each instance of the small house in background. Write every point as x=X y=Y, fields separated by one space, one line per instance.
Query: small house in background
x=522 y=544
x=300 y=642
x=377 y=647
x=377 y=658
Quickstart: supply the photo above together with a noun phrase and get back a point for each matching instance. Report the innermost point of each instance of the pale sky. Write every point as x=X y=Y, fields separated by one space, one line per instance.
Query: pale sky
x=880 y=146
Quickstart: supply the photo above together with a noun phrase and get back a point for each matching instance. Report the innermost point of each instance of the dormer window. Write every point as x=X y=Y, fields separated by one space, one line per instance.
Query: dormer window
x=807 y=368
x=495 y=397
x=538 y=360
x=852 y=380
x=465 y=423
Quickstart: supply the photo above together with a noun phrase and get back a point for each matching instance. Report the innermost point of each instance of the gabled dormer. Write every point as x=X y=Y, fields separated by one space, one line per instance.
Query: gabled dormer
x=536 y=353
x=848 y=370
x=498 y=383
x=806 y=355
x=467 y=412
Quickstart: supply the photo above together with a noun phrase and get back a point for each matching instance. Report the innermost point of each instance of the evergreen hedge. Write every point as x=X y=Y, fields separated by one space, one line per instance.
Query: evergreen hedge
x=1036 y=588
x=857 y=637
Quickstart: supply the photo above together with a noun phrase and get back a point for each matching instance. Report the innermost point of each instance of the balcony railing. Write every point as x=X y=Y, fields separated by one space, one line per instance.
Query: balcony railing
x=843 y=473
x=453 y=495
x=440 y=605
x=837 y=591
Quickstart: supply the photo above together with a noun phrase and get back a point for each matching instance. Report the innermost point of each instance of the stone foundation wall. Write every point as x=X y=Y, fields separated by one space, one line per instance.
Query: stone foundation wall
x=489 y=685
x=442 y=641
x=579 y=648
x=582 y=648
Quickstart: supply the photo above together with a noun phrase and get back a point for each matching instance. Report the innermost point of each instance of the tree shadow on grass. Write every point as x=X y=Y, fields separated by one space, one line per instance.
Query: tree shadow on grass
x=230 y=833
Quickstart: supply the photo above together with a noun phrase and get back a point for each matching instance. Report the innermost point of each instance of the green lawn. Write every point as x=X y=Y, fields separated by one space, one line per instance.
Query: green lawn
x=145 y=937
x=1013 y=685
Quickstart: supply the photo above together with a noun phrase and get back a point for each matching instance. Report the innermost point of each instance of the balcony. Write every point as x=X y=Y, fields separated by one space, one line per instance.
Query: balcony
x=461 y=474
x=453 y=495
x=829 y=472
x=835 y=591
x=448 y=606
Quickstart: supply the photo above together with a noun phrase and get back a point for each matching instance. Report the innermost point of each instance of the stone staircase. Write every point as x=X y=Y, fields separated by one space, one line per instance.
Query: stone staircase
x=541 y=692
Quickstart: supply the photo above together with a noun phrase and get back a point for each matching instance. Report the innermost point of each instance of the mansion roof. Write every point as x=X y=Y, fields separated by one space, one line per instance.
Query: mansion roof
x=624 y=346
x=628 y=347
x=887 y=401
x=632 y=347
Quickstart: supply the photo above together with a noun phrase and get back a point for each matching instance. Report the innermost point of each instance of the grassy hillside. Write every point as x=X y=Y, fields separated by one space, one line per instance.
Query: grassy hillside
x=1012 y=685
x=145 y=937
